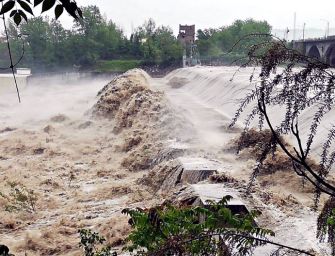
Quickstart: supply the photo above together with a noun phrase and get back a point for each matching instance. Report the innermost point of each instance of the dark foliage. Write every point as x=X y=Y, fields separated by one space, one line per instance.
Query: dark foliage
x=326 y=223
x=93 y=43
x=19 y=9
x=210 y=230
x=4 y=250
x=91 y=241
x=213 y=44
x=290 y=80
x=296 y=83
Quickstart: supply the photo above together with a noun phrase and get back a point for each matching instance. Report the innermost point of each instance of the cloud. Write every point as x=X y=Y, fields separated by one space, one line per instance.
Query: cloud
x=215 y=13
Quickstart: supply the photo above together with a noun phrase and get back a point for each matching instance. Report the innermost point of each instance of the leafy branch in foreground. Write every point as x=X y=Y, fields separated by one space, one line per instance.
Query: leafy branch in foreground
x=90 y=241
x=297 y=84
x=214 y=230
x=19 y=9
x=326 y=223
x=4 y=251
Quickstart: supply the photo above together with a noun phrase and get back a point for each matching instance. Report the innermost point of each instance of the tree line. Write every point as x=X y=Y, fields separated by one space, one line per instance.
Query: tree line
x=215 y=42
x=49 y=46
x=94 y=39
x=226 y=43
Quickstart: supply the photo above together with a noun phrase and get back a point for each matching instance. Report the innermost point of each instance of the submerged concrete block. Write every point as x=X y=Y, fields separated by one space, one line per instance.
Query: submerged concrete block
x=215 y=192
x=196 y=169
x=200 y=194
x=188 y=171
x=195 y=176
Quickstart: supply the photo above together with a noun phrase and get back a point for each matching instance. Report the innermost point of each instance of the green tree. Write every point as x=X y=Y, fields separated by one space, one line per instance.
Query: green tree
x=49 y=46
x=19 y=10
x=156 y=45
x=91 y=20
x=215 y=42
x=58 y=49
x=92 y=40
x=96 y=37
x=170 y=49
x=38 y=42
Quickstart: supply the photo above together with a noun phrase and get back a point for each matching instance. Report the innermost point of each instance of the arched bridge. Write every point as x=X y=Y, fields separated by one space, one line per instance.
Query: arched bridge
x=321 y=48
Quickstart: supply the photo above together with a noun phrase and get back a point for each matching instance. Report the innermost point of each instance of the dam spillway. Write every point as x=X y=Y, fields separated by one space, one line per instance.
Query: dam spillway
x=7 y=82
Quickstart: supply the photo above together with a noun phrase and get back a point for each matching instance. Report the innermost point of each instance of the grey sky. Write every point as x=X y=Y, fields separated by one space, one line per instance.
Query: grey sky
x=216 y=13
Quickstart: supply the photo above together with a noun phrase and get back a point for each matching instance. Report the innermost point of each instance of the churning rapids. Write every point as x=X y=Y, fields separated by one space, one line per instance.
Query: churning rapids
x=88 y=155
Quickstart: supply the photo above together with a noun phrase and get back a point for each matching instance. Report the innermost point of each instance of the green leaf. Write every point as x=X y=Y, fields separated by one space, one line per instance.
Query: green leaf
x=331 y=221
x=80 y=12
x=37 y=2
x=17 y=19
x=59 y=10
x=47 y=5
x=72 y=9
x=25 y=7
x=23 y=15
x=7 y=7
x=13 y=13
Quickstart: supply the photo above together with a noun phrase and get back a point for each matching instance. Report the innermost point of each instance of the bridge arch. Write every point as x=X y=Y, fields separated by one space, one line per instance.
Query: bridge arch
x=330 y=55
x=314 y=52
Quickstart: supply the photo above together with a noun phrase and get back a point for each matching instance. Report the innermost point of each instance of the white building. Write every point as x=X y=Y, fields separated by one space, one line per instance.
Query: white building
x=7 y=84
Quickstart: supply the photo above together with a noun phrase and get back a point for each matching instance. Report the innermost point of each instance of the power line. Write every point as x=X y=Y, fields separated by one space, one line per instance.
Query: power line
x=10 y=57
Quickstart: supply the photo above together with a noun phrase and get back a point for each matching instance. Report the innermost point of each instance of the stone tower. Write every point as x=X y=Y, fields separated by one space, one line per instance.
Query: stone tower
x=186 y=34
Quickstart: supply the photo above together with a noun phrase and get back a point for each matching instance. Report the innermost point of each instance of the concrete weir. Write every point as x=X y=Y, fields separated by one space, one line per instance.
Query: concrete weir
x=201 y=194
x=193 y=172
x=196 y=169
x=188 y=170
x=7 y=84
x=215 y=192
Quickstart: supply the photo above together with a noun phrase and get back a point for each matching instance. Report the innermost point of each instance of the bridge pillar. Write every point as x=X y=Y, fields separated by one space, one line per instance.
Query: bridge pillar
x=321 y=48
x=299 y=46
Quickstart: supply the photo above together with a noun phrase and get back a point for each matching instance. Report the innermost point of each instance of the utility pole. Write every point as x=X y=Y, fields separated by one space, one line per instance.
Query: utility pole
x=303 y=32
x=132 y=27
x=286 y=34
x=327 y=28
x=294 y=25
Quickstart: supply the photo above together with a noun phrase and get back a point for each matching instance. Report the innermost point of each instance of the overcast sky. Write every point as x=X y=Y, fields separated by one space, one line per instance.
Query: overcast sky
x=129 y=14
x=216 y=13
